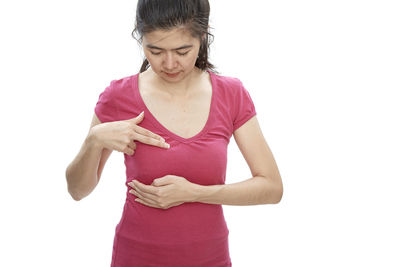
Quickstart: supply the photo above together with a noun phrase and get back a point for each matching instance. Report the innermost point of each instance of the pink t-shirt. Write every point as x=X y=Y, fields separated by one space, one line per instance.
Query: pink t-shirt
x=193 y=233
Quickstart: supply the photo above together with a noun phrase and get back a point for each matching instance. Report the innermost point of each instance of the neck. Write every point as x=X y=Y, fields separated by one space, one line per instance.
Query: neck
x=180 y=88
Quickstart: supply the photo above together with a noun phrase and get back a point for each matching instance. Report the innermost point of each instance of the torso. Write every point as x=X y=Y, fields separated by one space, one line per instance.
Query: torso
x=183 y=117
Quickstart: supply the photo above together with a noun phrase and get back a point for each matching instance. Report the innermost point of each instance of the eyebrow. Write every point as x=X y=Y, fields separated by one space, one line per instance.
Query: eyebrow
x=155 y=47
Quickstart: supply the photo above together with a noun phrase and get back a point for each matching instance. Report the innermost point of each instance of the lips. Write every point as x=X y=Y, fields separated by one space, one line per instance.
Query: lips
x=172 y=74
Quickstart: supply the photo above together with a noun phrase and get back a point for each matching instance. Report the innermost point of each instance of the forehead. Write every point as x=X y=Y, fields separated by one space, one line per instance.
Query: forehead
x=169 y=39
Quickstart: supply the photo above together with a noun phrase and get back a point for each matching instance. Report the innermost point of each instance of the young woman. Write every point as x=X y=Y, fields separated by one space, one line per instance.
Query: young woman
x=181 y=114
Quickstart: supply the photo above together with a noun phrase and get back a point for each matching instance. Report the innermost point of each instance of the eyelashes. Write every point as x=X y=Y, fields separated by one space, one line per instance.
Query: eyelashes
x=181 y=54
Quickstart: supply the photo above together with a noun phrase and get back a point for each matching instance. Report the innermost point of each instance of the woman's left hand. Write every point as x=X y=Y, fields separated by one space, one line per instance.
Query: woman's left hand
x=165 y=192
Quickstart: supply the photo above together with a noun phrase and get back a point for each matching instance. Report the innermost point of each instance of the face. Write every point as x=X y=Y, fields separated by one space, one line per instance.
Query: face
x=171 y=52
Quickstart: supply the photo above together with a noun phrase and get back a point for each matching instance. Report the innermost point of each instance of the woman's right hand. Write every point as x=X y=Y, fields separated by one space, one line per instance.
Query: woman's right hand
x=120 y=135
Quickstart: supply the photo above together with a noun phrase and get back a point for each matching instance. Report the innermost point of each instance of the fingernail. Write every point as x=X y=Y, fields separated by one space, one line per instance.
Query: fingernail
x=166 y=145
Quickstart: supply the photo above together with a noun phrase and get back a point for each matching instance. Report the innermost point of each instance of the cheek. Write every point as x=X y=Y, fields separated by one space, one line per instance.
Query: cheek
x=190 y=61
x=154 y=62
x=186 y=63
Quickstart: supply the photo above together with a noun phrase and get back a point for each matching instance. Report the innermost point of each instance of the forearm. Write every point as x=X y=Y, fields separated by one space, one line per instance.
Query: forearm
x=81 y=174
x=254 y=191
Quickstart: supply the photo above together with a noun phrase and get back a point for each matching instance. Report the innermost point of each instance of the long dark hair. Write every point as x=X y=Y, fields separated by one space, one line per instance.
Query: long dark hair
x=166 y=14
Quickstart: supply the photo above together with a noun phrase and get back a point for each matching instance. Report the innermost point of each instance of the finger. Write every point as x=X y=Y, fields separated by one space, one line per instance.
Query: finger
x=149 y=133
x=128 y=151
x=142 y=196
x=147 y=191
x=147 y=198
x=130 y=148
x=137 y=119
x=147 y=137
x=144 y=202
x=132 y=144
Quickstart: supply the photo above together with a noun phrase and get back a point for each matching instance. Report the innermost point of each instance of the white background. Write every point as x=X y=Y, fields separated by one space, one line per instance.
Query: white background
x=324 y=77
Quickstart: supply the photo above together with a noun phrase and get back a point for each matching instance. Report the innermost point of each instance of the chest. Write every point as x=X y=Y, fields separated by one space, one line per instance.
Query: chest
x=184 y=117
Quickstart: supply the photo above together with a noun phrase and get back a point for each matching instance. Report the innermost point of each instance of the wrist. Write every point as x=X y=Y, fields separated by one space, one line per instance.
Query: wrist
x=92 y=139
x=196 y=193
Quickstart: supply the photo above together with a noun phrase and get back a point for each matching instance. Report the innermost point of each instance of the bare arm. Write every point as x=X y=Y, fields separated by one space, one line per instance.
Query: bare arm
x=84 y=172
x=265 y=187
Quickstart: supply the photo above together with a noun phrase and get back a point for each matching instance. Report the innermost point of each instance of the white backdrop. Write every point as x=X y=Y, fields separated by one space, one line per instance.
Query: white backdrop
x=323 y=76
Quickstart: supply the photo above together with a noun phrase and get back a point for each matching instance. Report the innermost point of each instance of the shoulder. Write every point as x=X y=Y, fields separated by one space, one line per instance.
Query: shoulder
x=122 y=84
x=228 y=85
x=226 y=81
x=119 y=88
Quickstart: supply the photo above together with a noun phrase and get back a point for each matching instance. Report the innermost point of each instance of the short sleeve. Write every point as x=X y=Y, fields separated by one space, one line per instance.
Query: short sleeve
x=106 y=107
x=244 y=108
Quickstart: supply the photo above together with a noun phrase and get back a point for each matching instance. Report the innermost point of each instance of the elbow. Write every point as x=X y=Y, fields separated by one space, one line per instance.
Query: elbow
x=279 y=193
x=71 y=191
x=275 y=192
x=278 y=197
x=74 y=196
x=78 y=194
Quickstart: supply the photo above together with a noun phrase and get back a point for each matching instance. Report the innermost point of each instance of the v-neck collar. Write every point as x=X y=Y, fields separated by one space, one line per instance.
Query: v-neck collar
x=150 y=116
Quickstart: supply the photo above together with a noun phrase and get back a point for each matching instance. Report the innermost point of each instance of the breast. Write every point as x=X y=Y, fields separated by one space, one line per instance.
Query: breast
x=202 y=161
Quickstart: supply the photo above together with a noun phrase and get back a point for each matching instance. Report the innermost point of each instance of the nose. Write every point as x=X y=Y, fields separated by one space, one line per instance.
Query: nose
x=170 y=61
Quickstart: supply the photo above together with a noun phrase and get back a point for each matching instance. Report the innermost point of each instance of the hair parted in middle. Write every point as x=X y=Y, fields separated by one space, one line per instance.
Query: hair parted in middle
x=193 y=15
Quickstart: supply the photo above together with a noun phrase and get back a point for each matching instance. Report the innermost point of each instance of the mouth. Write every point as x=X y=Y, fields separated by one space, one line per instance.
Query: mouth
x=172 y=74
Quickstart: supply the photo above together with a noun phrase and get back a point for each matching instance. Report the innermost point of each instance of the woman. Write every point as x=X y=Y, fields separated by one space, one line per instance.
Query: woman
x=176 y=170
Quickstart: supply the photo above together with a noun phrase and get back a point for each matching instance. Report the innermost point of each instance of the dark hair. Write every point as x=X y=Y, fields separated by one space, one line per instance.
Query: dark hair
x=166 y=14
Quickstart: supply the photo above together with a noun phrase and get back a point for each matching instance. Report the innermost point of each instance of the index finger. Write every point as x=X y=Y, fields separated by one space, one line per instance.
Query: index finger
x=144 y=188
x=148 y=137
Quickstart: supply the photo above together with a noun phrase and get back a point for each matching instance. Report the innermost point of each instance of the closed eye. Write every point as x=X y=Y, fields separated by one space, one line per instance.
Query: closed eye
x=181 y=54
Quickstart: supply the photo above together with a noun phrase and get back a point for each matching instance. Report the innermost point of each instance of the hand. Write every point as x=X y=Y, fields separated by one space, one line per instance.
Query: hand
x=165 y=192
x=120 y=135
